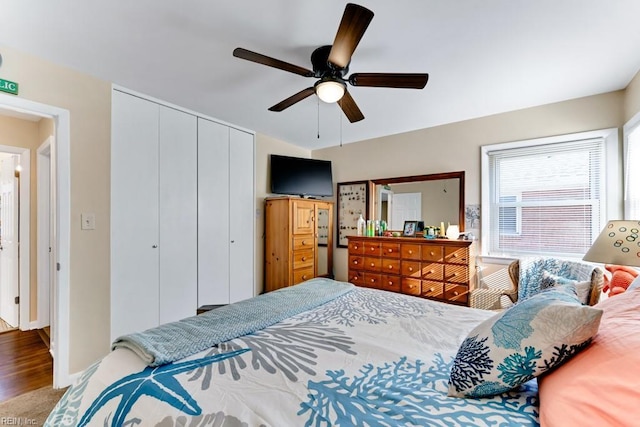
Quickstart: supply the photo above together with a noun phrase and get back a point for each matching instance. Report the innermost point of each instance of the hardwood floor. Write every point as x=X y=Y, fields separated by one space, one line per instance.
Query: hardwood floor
x=25 y=363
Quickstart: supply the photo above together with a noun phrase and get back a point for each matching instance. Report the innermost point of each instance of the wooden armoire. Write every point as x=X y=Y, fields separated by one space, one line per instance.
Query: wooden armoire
x=298 y=240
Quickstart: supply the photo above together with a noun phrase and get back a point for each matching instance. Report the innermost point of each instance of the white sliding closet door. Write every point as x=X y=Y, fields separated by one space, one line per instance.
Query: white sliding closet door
x=178 y=187
x=213 y=213
x=134 y=214
x=242 y=221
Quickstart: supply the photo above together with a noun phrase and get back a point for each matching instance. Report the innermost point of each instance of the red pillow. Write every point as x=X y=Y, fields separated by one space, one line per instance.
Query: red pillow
x=600 y=386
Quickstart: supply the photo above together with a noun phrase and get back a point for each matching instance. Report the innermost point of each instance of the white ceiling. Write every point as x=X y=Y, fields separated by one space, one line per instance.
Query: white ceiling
x=483 y=56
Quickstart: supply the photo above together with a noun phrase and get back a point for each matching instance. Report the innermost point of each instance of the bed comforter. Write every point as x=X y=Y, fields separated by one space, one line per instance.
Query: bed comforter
x=365 y=358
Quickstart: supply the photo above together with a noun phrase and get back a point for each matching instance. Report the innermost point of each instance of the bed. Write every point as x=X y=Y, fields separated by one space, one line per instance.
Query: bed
x=356 y=356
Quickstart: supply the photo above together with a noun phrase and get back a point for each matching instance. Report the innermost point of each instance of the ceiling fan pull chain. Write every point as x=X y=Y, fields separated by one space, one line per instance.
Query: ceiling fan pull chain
x=318 y=117
x=340 y=113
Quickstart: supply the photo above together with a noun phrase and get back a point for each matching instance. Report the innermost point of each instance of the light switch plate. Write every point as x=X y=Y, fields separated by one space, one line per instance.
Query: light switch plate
x=88 y=221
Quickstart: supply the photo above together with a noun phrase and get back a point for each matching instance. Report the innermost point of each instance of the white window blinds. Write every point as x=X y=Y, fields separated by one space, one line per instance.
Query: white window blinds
x=545 y=199
x=632 y=175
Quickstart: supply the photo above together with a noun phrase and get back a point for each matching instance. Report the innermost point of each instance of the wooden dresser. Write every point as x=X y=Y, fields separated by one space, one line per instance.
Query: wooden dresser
x=298 y=241
x=439 y=269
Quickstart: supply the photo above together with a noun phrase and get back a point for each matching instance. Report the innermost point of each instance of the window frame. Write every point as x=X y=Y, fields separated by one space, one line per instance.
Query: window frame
x=632 y=125
x=611 y=203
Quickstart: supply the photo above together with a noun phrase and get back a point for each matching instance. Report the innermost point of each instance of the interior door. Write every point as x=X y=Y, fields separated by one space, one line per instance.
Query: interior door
x=406 y=207
x=134 y=215
x=9 y=289
x=178 y=214
x=242 y=215
x=213 y=213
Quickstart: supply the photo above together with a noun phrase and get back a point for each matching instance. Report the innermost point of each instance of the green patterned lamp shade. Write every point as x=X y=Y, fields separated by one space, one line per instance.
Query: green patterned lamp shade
x=618 y=243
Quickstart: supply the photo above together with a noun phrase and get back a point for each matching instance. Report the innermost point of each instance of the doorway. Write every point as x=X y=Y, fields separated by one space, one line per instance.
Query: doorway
x=9 y=240
x=59 y=227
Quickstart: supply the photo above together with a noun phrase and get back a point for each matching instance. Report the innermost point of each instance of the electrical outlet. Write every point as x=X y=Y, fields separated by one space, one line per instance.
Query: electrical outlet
x=88 y=221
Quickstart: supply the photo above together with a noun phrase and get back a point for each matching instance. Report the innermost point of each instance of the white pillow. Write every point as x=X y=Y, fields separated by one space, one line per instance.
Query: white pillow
x=583 y=289
x=532 y=337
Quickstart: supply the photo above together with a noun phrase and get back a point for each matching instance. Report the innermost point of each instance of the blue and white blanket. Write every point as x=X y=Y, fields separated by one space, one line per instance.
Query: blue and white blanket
x=365 y=358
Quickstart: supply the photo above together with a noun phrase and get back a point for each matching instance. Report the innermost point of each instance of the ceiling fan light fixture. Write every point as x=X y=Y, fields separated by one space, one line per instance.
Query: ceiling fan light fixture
x=330 y=90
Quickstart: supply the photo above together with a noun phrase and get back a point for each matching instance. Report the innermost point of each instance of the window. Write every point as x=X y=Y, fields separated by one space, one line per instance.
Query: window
x=545 y=196
x=632 y=169
x=508 y=215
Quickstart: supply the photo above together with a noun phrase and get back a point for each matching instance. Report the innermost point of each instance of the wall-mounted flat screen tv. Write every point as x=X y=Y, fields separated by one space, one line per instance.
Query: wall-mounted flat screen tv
x=301 y=177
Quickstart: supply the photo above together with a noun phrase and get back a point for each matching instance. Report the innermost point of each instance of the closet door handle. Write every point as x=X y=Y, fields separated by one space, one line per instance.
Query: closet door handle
x=154 y=246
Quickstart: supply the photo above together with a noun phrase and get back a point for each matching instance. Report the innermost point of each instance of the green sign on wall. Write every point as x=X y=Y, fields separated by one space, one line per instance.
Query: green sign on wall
x=8 y=86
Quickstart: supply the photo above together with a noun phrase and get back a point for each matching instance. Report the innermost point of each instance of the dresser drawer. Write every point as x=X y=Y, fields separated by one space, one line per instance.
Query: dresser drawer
x=410 y=286
x=302 y=274
x=372 y=248
x=432 y=271
x=356 y=247
x=456 y=255
x=391 y=250
x=410 y=251
x=457 y=293
x=456 y=273
x=391 y=266
x=432 y=253
x=356 y=277
x=356 y=262
x=390 y=283
x=411 y=269
x=432 y=289
x=303 y=242
x=372 y=280
x=303 y=258
x=372 y=263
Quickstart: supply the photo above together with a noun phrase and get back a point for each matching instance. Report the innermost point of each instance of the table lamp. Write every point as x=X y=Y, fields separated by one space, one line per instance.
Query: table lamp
x=617 y=246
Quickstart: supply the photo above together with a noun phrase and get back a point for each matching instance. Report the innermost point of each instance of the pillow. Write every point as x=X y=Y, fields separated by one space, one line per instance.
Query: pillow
x=599 y=386
x=532 y=337
x=583 y=289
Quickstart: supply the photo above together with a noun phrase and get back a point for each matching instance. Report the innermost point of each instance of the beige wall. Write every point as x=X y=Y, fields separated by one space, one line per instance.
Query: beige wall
x=456 y=146
x=265 y=146
x=89 y=103
x=632 y=98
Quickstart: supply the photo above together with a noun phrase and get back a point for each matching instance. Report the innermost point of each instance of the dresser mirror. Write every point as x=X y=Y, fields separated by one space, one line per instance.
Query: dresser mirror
x=325 y=234
x=433 y=199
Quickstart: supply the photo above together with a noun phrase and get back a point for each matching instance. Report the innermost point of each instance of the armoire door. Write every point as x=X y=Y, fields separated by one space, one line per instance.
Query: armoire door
x=178 y=214
x=134 y=214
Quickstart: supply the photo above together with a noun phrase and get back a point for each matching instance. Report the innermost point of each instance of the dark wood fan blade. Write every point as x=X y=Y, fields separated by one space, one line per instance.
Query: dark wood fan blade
x=271 y=62
x=355 y=21
x=293 y=99
x=350 y=108
x=407 y=81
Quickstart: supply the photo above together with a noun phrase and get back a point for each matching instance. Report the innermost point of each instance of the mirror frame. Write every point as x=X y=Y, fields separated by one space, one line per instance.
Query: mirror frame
x=430 y=177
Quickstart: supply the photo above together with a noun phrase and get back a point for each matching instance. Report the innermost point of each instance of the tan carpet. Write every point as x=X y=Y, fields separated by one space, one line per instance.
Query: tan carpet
x=5 y=327
x=31 y=408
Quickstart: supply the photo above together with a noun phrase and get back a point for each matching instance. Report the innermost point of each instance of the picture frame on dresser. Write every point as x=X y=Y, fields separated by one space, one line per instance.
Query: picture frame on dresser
x=353 y=201
x=409 y=228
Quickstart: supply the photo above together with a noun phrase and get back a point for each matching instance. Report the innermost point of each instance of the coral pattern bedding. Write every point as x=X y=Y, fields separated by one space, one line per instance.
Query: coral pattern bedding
x=365 y=358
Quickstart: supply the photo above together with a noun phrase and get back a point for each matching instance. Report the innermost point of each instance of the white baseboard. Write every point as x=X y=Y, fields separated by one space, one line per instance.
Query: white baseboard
x=34 y=325
x=70 y=380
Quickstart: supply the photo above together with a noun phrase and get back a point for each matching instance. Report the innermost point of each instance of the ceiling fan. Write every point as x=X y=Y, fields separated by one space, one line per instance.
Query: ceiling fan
x=331 y=65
